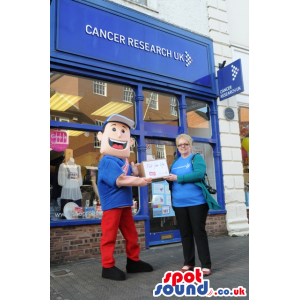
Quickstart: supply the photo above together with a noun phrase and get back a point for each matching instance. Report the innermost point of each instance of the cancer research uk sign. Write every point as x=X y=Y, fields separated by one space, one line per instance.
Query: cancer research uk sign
x=104 y=36
x=230 y=80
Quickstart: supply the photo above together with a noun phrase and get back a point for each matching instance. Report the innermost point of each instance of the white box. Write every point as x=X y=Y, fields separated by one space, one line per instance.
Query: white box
x=156 y=169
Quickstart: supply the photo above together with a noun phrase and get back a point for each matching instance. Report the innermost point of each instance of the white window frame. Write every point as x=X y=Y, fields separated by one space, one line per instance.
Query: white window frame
x=60 y=119
x=153 y=99
x=138 y=2
x=173 y=104
x=128 y=94
x=160 y=151
x=97 y=143
x=99 y=88
x=150 y=4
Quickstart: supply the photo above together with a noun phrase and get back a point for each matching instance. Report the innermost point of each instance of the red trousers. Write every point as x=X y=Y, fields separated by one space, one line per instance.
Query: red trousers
x=112 y=220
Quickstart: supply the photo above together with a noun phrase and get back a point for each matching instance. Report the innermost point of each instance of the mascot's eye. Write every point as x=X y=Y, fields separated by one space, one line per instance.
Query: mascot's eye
x=123 y=130
x=114 y=129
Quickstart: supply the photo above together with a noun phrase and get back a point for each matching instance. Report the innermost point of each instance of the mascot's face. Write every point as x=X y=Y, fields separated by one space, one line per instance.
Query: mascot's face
x=115 y=140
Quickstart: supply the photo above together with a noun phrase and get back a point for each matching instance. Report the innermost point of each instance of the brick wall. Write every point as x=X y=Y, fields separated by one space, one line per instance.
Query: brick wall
x=216 y=226
x=75 y=243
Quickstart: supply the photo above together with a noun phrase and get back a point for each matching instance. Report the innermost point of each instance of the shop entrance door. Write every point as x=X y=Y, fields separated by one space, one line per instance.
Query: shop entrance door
x=163 y=223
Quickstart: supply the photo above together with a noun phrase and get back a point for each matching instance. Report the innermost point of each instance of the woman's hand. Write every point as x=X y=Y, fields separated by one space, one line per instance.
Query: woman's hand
x=171 y=177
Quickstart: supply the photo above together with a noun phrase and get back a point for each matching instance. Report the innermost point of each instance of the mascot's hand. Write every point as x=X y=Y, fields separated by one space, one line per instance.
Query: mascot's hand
x=148 y=180
x=123 y=180
x=135 y=170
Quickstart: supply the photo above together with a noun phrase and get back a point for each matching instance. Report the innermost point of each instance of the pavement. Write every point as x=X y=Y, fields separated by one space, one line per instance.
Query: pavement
x=83 y=281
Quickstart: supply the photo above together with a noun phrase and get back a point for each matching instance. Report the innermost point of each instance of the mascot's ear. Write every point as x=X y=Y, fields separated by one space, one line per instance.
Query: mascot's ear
x=131 y=142
x=99 y=136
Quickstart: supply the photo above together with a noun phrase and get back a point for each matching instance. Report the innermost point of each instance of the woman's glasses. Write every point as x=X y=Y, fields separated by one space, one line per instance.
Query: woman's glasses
x=181 y=145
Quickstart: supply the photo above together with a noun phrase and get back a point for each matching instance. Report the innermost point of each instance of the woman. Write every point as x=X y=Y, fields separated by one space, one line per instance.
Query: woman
x=189 y=201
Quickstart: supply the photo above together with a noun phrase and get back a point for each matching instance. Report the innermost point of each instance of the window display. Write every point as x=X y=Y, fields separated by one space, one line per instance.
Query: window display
x=162 y=216
x=75 y=153
x=244 y=135
x=70 y=179
x=73 y=178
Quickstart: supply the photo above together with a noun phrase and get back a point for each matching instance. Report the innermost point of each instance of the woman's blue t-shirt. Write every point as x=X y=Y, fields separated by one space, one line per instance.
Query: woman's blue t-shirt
x=185 y=194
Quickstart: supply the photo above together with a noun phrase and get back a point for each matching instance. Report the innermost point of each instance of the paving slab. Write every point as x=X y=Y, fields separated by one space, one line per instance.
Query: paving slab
x=83 y=281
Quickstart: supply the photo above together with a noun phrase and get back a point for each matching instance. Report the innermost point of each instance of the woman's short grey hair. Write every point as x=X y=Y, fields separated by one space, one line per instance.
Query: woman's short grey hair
x=186 y=137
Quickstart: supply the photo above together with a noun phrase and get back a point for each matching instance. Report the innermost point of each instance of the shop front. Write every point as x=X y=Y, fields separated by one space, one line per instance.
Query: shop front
x=107 y=59
x=244 y=135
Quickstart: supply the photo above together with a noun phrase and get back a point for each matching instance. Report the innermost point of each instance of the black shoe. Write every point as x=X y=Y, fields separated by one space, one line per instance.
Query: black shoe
x=113 y=273
x=137 y=266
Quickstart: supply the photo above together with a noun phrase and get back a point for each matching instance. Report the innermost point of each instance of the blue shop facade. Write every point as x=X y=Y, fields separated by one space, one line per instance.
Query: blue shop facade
x=106 y=59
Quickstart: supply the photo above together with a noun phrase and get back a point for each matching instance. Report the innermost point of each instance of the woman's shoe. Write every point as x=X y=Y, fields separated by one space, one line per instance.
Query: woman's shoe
x=187 y=268
x=206 y=272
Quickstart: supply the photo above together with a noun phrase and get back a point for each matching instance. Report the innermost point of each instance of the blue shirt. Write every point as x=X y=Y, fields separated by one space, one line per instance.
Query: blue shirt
x=111 y=196
x=185 y=194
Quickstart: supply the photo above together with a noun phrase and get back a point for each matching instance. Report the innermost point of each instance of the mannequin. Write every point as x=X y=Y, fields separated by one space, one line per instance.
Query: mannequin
x=69 y=177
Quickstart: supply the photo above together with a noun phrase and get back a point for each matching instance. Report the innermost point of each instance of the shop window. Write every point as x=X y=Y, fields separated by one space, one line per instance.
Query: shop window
x=156 y=108
x=73 y=178
x=133 y=146
x=99 y=88
x=160 y=151
x=173 y=104
x=152 y=101
x=97 y=143
x=206 y=151
x=158 y=192
x=244 y=136
x=198 y=118
x=128 y=94
x=83 y=101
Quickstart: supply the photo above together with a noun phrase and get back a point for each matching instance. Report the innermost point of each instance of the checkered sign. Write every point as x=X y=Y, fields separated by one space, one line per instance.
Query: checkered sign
x=188 y=59
x=230 y=80
x=234 y=71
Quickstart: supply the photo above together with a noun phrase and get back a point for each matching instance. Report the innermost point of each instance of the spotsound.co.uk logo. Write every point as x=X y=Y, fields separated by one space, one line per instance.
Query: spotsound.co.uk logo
x=191 y=283
x=234 y=71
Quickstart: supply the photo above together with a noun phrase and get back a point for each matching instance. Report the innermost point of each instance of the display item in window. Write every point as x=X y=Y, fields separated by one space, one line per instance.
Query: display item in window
x=70 y=210
x=115 y=180
x=69 y=177
x=90 y=212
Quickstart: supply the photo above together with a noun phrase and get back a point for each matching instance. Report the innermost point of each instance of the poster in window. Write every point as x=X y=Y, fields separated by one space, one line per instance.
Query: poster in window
x=161 y=200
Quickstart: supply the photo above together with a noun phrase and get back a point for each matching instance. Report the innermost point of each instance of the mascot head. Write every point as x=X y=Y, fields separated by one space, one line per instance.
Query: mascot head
x=115 y=137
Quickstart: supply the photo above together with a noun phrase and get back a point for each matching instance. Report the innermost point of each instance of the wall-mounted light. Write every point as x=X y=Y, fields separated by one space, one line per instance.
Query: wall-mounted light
x=222 y=65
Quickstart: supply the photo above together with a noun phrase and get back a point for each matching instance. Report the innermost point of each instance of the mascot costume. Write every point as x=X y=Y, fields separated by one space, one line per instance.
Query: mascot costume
x=115 y=179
